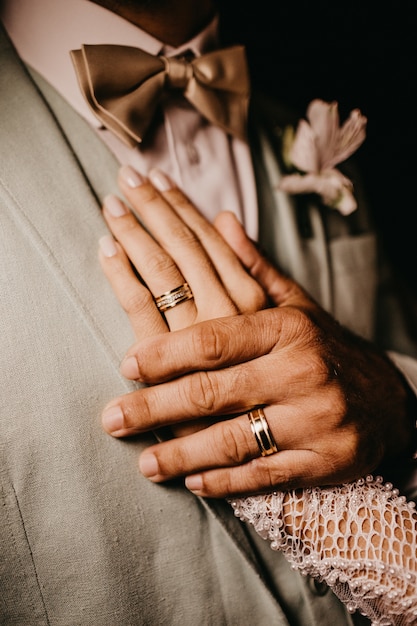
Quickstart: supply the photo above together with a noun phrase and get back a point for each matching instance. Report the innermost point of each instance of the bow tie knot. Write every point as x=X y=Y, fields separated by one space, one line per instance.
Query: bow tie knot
x=178 y=72
x=123 y=86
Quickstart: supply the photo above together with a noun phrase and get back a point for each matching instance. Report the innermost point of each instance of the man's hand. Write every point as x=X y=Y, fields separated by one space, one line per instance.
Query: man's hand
x=335 y=405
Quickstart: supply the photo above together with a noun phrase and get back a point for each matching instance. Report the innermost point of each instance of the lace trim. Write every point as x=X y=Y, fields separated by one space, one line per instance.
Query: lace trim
x=360 y=538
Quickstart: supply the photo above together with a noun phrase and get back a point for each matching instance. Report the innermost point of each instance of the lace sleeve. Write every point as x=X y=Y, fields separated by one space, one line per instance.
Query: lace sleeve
x=360 y=538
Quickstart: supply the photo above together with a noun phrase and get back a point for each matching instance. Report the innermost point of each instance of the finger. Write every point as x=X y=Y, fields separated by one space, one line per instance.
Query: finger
x=291 y=469
x=211 y=345
x=245 y=292
x=220 y=449
x=220 y=392
x=279 y=288
x=179 y=243
x=194 y=244
x=153 y=264
x=201 y=450
x=135 y=298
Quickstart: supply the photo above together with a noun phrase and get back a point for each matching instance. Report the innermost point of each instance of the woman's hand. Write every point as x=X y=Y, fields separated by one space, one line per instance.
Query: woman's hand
x=173 y=245
x=182 y=247
x=335 y=406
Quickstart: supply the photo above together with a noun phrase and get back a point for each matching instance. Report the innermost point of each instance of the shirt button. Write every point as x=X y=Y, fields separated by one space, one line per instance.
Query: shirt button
x=317 y=587
x=192 y=153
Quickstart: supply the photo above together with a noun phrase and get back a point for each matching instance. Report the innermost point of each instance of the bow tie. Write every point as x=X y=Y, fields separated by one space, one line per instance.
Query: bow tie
x=124 y=85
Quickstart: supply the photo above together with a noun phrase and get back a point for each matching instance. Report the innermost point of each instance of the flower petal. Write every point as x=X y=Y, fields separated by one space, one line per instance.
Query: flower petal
x=351 y=135
x=334 y=189
x=324 y=121
x=299 y=183
x=304 y=152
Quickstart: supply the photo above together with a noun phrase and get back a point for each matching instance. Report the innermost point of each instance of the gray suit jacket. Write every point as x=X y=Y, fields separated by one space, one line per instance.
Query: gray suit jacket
x=84 y=539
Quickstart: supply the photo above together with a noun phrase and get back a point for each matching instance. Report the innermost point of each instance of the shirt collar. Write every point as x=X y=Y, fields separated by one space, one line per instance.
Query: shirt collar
x=58 y=26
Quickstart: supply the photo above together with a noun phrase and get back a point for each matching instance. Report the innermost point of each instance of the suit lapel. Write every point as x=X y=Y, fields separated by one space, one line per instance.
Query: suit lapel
x=291 y=229
x=57 y=207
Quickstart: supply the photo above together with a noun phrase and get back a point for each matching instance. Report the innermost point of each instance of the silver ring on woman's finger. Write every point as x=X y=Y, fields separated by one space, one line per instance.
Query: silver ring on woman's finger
x=263 y=435
x=171 y=298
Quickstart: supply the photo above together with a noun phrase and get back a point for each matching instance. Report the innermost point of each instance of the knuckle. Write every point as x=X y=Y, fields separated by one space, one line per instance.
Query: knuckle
x=209 y=341
x=149 y=358
x=282 y=476
x=134 y=406
x=236 y=441
x=313 y=355
x=178 y=200
x=226 y=483
x=298 y=328
x=337 y=401
x=177 y=462
x=359 y=450
x=159 y=263
x=216 y=483
x=137 y=302
x=259 y=297
x=317 y=370
x=254 y=299
x=264 y=473
x=202 y=392
x=181 y=236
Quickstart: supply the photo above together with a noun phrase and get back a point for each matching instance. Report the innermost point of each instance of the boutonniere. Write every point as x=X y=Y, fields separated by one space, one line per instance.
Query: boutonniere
x=317 y=146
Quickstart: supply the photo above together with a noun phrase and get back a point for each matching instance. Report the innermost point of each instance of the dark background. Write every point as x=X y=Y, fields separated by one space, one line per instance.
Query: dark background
x=363 y=55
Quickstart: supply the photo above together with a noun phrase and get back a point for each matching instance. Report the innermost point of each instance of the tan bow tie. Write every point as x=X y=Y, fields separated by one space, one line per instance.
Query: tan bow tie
x=123 y=85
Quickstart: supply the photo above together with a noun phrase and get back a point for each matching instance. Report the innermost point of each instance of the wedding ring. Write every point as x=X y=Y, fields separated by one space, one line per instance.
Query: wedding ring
x=263 y=435
x=175 y=296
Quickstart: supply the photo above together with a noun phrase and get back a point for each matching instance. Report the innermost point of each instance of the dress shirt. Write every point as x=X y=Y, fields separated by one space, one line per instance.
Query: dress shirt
x=212 y=168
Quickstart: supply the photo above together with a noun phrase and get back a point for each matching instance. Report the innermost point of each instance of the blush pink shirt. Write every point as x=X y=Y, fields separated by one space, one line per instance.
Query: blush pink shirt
x=213 y=169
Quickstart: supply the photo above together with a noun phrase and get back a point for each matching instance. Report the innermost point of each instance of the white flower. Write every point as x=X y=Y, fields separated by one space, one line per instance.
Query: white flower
x=320 y=145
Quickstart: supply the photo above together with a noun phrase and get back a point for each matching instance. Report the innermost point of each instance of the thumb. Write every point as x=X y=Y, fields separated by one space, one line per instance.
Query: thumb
x=277 y=286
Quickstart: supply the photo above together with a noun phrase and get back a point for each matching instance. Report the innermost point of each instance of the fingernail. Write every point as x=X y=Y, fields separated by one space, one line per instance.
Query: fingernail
x=131 y=177
x=129 y=367
x=108 y=246
x=115 y=206
x=148 y=464
x=160 y=180
x=194 y=483
x=113 y=419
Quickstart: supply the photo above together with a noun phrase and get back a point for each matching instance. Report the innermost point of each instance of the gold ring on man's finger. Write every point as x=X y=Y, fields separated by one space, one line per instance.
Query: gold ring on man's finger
x=263 y=435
